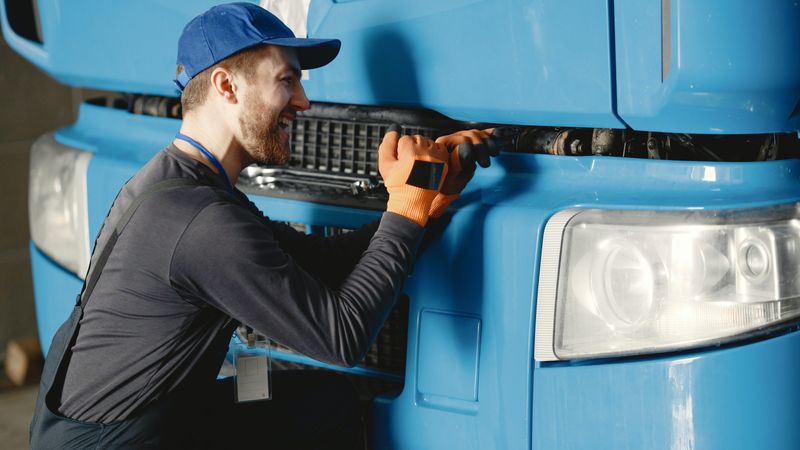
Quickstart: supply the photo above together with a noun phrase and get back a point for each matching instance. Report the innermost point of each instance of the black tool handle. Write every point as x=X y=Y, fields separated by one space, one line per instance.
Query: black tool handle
x=502 y=138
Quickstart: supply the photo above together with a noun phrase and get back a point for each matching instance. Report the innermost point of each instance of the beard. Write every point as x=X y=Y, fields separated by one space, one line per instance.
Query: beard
x=261 y=133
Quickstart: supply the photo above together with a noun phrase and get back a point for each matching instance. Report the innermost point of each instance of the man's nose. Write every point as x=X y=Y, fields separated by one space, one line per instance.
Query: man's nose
x=299 y=100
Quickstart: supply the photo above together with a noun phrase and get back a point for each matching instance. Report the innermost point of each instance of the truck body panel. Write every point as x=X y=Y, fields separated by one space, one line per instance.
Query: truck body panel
x=469 y=378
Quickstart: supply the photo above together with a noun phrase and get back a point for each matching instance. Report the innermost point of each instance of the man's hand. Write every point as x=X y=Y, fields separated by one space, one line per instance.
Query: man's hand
x=413 y=169
x=478 y=146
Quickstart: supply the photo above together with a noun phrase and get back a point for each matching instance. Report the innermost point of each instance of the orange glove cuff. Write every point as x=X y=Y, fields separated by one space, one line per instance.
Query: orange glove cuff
x=440 y=204
x=411 y=202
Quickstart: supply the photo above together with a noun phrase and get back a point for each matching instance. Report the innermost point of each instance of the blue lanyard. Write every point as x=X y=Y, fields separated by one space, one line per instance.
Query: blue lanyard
x=210 y=157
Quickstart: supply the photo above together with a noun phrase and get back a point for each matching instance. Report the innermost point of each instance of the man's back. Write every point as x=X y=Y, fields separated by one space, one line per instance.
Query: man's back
x=139 y=337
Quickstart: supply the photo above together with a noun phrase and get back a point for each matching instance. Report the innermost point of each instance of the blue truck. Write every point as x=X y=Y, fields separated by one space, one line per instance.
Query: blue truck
x=625 y=275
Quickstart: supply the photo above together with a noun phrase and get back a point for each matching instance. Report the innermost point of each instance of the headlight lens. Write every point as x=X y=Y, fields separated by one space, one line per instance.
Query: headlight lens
x=57 y=203
x=635 y=282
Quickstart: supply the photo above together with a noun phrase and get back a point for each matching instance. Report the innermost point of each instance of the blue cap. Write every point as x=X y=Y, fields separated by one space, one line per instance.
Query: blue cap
x=227 y=29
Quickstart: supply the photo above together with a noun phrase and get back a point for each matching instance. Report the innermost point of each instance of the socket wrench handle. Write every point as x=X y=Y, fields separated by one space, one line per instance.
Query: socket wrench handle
x=504 y=137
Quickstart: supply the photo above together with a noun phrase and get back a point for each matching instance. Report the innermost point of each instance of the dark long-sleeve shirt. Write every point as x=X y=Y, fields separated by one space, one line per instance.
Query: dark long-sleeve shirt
x=195 y=261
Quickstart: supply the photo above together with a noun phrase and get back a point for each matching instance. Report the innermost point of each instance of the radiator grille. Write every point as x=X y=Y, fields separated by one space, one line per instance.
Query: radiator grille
x=334 y=154
x=336 y=146
x=342 y=146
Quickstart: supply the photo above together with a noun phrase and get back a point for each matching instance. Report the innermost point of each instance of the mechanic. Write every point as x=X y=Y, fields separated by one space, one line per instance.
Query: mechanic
x=136 y=363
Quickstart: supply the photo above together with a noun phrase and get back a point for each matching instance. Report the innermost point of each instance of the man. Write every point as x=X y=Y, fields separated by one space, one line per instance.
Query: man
x=135 y=365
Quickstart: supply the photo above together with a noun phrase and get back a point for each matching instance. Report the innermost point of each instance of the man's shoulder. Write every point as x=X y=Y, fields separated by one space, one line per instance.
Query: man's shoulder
x=167 y=165
x=188 y=198
x=177 y=201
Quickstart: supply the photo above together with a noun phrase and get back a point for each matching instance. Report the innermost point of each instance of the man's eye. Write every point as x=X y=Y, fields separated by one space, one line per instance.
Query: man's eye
x=287 y=80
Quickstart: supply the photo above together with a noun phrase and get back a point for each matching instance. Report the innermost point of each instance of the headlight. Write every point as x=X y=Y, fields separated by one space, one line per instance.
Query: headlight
x=57 y=203
x=634 y=282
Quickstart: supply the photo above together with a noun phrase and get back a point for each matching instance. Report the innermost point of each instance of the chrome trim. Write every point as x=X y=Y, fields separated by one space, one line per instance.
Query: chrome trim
x=274 y=177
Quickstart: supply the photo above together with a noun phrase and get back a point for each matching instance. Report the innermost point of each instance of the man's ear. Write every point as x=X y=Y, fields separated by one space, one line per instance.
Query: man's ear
x=223 y=84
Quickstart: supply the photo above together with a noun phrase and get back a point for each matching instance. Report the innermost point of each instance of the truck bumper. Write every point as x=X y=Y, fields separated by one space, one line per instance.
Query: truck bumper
x=739 y=397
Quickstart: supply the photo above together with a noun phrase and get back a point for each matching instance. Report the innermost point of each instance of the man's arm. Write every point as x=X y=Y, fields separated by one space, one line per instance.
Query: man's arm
x=250 y=277
x=247 y=275
x=329 y=258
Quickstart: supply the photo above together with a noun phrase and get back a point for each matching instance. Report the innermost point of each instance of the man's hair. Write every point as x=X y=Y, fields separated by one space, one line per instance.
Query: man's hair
x=196 y=90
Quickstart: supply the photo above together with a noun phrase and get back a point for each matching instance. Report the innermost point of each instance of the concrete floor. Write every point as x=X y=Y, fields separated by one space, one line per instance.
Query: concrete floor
x=16 y=410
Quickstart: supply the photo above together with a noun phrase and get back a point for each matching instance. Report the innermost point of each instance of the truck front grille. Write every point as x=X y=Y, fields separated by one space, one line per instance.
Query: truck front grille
x=336 y=146
x=334 y=154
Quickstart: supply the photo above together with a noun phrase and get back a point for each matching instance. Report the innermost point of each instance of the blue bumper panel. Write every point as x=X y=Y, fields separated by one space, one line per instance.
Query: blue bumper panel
x=484 y=268
x=745 y=397
x=283 y=210
x=470 y=322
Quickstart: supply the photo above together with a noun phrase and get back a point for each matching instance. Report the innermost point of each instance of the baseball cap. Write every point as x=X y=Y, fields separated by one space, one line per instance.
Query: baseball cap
x=230 y=28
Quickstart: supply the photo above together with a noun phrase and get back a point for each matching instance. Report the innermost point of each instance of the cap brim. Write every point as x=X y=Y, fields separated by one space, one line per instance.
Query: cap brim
x=311 y=53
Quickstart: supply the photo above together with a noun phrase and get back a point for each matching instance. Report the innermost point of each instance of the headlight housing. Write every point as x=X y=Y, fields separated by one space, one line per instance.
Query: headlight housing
x=57 y=203
x=634 y=282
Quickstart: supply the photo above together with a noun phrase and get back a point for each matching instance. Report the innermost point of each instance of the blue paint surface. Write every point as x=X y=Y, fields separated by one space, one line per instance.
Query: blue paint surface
x=744 y=397
x=487 y=265
x=732 y=66
x=451 y=346
x=513 y=61
x=117 y=46
x=413 y=53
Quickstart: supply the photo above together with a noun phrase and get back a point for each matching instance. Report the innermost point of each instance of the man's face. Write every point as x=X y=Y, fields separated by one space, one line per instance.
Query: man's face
x=269 y=105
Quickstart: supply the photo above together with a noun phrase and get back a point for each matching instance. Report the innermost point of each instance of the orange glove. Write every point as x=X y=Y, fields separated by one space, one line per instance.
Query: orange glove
x=413 y=169
x=457 y=176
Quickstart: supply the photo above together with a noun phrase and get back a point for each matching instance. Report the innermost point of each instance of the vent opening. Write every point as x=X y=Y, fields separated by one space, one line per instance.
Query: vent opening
x=23 y=17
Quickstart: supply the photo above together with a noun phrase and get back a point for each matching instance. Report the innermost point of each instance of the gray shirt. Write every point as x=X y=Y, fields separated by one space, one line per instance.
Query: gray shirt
x=195 y=261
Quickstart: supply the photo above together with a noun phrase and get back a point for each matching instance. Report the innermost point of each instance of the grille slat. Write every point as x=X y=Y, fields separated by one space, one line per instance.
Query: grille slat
x=342 y=146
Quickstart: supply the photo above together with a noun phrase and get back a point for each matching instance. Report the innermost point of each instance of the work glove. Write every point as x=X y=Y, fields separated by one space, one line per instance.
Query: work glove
x=413 y=168
x=466 y=148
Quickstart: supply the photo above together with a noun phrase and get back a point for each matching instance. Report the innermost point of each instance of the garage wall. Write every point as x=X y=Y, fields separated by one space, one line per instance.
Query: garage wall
x=31 y=103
